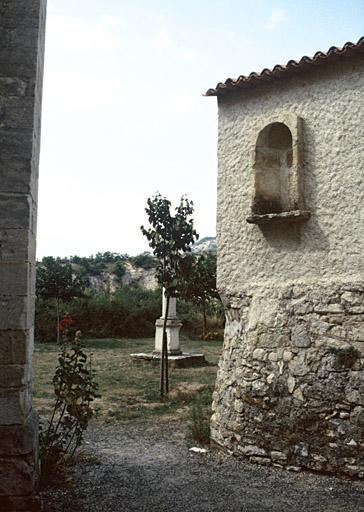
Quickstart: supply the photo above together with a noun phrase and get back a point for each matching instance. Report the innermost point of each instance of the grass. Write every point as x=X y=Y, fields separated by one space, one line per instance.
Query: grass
x=129 y=389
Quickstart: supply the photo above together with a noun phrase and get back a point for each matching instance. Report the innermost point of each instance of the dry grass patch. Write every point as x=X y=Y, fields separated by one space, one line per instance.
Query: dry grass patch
x=129 y=389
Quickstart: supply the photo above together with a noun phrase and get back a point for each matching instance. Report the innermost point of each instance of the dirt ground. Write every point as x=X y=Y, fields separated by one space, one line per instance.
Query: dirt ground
x=148 y=467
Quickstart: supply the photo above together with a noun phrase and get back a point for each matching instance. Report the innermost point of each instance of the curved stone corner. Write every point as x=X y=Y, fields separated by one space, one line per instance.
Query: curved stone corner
x=290 y=385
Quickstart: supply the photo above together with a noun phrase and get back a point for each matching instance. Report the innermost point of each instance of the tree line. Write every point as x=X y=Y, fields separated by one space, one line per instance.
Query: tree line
x=62 y=287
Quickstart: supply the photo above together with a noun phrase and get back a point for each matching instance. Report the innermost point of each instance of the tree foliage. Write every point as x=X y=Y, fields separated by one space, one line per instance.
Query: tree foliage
x=56 y=280
x=199 y=281
x=170 y=237
x=144 y=260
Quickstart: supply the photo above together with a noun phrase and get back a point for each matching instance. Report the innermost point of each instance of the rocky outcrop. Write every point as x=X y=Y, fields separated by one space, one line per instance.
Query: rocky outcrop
x=143 y=277
x=109 y=282
x=207 y=244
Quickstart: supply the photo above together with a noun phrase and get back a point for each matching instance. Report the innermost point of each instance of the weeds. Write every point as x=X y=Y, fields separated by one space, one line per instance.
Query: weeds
x=74 y=389
x=199 y=417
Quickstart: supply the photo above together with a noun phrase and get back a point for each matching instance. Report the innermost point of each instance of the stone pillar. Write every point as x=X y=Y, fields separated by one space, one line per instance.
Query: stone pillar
x=173 y=327
x=22 y=30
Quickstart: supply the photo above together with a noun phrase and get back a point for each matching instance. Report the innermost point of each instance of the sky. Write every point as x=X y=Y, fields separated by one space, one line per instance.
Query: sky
x=124 y=114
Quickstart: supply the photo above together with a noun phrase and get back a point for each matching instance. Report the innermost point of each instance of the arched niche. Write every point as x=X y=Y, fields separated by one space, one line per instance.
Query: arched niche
x=277 y=189
x=273 y=161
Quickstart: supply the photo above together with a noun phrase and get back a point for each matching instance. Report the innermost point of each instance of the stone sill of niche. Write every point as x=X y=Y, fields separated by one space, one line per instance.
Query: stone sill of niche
x=283 y=217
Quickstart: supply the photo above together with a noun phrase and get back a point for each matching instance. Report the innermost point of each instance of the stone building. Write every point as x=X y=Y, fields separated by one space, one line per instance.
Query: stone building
x=290 y=385
x=21 y=68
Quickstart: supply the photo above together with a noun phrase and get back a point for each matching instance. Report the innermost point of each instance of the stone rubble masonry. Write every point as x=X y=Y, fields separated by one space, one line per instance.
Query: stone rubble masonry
x=291 y=392
x=290 y=384
x=22 y=32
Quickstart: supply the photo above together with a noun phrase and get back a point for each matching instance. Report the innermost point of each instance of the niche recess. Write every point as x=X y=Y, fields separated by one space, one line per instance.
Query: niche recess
x=278 y=195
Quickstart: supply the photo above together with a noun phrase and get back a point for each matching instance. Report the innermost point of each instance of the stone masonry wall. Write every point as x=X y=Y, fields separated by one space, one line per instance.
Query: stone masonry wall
x=290 y=385
x=21 y=67
x=290 y=391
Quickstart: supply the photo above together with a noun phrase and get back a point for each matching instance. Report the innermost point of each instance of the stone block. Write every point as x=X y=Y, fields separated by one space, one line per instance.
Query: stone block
x=17 y=440
x=249 y=450
x=298 y=366
x=16 y=347
x=273 y=340
x=357 y=333
x=352 y=298
x=278 y=456
x=15 y=112
x=15 y=406
x=17 y=61
x=15 y=277
x=16 y=313
x=355 y=310
x=359 y=346
x=287 y=356
x=300 y=337
x=21 y=13
x=16 y=211
x=17 y=245
x=17 y=477
x=329 y=309
x=16 y=143
x=12 y=86
x=259 y=354
x=14 y=375
x=291 y=382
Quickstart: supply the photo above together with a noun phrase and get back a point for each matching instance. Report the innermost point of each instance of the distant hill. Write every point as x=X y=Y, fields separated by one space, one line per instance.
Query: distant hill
x=206 y=244
x=106 y=272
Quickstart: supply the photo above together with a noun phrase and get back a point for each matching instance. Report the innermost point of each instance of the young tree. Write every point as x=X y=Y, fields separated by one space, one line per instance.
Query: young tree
x=55 y=280
x=199 y=283
x=170 y=237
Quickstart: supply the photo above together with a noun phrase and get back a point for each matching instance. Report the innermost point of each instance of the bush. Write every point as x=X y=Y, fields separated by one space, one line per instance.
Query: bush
x=131 y=312
x=75 y=388
x=144 y=260
x=199 y=417
x=192 y=319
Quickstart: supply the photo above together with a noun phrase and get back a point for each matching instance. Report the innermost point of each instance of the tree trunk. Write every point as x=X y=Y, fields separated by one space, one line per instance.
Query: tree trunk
x=57 y=308
x=164 y=380
x=204 y=328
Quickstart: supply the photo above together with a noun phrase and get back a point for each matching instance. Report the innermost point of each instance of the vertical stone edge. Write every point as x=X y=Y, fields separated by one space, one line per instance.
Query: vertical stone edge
x=19 y=444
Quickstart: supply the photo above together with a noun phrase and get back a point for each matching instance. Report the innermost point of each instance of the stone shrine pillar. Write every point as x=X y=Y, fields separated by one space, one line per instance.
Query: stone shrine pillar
x=22 y=31
x=173 y=327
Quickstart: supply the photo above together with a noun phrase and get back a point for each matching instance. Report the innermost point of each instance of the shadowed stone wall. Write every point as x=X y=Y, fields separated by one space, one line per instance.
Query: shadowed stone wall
x=21 y=67
x=290 y=385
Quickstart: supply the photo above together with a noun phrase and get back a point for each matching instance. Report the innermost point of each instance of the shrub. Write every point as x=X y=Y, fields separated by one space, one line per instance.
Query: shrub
x=144 y=260
x=130 y=312
x=75 y=388
x=199 y=417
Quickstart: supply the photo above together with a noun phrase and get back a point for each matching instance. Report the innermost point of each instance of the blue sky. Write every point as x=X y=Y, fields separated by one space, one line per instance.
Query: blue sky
x=123 y=110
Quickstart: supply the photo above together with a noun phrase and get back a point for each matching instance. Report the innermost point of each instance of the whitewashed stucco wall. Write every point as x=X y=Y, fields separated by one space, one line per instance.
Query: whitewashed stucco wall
x=330 y=246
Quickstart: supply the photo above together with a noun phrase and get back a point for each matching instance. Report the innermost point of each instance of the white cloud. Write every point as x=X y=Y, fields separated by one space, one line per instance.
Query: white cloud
x=278 y=17
x=77 y=34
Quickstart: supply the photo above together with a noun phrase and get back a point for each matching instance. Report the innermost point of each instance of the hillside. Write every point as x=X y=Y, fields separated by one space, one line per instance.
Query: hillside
x=106 y=272
x=206 y=244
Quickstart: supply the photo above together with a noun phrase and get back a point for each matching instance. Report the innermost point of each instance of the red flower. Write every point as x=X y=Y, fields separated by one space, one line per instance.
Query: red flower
x=67 y=321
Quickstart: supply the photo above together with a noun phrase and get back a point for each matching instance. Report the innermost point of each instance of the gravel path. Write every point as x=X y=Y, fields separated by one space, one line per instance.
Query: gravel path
x=149 y=468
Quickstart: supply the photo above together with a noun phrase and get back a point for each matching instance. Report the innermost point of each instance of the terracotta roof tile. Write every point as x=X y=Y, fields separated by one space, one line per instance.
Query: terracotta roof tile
x=291 y=67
